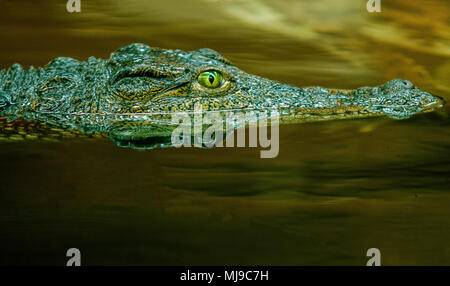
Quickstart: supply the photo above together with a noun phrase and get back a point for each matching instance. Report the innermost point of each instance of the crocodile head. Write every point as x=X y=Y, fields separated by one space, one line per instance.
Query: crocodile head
x=134 y=93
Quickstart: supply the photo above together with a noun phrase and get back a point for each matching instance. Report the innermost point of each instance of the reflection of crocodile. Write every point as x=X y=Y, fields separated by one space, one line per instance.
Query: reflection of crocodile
x=131 y=95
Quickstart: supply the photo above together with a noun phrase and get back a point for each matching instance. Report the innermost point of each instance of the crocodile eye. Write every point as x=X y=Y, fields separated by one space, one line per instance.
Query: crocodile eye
x=210 y=79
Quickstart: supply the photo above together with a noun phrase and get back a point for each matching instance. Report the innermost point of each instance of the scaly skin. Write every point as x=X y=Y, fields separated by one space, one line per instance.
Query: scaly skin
x=132 y=95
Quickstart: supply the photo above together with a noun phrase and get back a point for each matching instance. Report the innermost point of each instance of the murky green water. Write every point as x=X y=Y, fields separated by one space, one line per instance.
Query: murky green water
x=335 y=190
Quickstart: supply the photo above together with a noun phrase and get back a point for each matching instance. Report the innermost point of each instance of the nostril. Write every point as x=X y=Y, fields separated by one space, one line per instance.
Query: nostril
x=407 y=84
x=399 y=84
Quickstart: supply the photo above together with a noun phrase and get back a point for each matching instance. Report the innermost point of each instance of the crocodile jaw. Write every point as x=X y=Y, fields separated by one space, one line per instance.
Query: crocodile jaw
x=397 y=99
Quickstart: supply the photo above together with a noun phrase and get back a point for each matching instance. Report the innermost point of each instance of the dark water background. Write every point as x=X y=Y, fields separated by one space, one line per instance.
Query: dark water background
x=335 y=190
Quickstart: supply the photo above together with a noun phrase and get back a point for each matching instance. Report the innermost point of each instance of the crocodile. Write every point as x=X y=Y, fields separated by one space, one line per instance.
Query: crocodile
x=131 y=96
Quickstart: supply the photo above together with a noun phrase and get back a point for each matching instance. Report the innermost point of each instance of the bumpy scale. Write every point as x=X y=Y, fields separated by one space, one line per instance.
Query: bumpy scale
x=132 y=95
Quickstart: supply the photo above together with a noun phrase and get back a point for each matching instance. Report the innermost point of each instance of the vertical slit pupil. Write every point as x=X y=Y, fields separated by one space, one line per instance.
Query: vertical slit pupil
x=211 y=78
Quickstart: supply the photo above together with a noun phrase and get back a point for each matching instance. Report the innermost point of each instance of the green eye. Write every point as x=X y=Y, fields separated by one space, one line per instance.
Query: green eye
x=211 y=79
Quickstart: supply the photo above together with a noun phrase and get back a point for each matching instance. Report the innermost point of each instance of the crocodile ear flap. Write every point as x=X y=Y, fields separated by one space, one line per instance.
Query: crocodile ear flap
x=213 y=55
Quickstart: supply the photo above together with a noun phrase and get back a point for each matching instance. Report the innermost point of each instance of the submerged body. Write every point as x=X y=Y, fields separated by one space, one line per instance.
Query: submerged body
x=133 y=94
